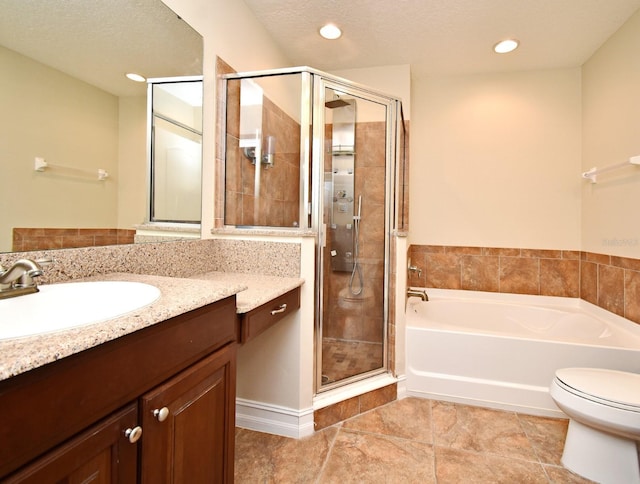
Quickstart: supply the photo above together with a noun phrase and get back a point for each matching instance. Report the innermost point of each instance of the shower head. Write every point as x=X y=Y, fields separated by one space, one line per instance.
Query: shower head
x=337 y=103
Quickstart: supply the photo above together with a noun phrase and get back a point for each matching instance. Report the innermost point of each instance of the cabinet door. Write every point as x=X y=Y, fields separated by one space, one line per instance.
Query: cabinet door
x=101 y=454
x=189 y=424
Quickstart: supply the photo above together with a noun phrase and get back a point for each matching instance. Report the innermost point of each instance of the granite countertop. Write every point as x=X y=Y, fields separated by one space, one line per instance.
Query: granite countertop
x=260 y=289
x=178 y=296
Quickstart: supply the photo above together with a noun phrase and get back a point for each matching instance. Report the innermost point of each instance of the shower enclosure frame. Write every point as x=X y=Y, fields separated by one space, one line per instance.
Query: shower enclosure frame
x=392 y=106
x=312 y=126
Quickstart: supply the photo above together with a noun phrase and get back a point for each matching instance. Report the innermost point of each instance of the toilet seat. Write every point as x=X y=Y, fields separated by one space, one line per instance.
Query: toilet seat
x=613 y=388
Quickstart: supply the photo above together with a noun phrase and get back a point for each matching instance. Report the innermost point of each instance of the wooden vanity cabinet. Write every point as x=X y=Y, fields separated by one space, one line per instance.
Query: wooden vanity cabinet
x=67 y=421
x=187 y=423
x=100 y=454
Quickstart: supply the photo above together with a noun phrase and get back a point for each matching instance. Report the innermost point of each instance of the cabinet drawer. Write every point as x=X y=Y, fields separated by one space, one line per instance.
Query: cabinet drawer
x=263 y=317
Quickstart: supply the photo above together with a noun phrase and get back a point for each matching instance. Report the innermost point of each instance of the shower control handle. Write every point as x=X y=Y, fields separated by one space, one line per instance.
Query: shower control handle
x=281 y=309
x=414 y=268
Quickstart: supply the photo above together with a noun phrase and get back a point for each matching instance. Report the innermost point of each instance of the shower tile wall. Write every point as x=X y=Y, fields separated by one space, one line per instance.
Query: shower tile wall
x=279 y=184
x=351 y=321
x=403 y=182
x=223 y=117
x=610 y=282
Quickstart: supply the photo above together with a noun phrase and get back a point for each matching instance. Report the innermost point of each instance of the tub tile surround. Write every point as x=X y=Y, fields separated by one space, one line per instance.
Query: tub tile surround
x=608 y=281
x=413 y=440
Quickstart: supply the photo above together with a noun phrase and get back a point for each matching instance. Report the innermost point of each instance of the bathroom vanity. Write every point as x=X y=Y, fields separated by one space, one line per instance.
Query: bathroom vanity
x=183 y=367
x=156 y=404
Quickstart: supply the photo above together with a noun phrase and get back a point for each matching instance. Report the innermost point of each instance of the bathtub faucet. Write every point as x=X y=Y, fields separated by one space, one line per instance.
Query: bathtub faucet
x=421 y=293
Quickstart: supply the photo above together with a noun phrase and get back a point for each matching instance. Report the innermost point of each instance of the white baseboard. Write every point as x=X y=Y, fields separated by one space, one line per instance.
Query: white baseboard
x=274 y=419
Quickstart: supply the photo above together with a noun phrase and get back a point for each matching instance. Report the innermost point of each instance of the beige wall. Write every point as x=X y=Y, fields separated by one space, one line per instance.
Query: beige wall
x=78 y=128
x=611 y=134
x=500 y=156
x=496 y=160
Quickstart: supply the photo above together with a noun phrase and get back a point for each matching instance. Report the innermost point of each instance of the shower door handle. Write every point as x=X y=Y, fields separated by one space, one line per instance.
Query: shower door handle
x=281 y=309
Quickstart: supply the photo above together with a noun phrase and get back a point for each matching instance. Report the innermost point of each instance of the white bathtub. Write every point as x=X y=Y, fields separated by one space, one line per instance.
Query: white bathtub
x=502 y=350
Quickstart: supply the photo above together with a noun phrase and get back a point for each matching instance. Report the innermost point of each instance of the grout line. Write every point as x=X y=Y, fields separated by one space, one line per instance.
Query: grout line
x=433 y=442
x=529 y=440
x=329 y=451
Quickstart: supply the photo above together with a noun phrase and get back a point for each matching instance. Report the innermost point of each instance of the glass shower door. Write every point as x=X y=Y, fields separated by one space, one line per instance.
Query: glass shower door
x=355 y=217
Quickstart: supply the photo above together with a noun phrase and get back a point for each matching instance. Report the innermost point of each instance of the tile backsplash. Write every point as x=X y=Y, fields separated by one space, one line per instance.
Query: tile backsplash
x=610 y=282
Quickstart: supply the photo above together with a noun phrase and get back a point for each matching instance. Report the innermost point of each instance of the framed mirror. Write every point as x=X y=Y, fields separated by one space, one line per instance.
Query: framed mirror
x=73 y=154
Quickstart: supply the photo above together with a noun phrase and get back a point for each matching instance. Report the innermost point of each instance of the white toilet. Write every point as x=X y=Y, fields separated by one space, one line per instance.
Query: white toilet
x=603 y=407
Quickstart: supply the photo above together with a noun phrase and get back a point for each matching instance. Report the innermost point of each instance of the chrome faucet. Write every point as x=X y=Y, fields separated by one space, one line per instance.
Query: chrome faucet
x=421 y=293
x=19 y=278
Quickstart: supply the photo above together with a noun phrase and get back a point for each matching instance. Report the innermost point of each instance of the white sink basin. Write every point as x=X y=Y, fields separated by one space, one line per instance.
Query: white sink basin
x=63 y=306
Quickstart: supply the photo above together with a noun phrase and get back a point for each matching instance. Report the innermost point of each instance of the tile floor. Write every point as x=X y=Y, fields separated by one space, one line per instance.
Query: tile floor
x=412 y=441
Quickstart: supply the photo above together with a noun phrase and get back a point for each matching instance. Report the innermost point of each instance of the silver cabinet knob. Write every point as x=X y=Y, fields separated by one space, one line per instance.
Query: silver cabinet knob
x=161 y=414
x=133 y=434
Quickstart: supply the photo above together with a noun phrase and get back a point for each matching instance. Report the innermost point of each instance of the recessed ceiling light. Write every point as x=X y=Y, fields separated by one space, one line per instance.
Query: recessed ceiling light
x=330 y=31
x=505 y=46
x=135 y=77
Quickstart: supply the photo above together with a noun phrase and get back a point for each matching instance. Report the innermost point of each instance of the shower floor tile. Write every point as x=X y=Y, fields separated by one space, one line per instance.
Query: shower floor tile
x=412 y=440
x=344 y=358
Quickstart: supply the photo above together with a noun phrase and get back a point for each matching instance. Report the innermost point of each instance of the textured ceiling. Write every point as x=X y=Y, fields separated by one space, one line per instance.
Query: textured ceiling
x=98 y=41
x=442 y=36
